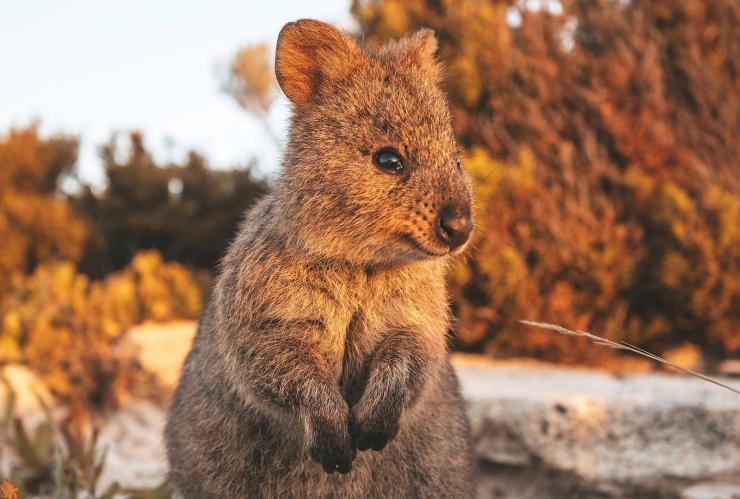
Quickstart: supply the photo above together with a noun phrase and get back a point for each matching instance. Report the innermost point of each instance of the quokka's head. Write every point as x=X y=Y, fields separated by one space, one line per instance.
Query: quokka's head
x=371 y=172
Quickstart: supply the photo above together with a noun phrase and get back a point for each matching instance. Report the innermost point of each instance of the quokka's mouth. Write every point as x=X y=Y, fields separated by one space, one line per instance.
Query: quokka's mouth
x=416 y=245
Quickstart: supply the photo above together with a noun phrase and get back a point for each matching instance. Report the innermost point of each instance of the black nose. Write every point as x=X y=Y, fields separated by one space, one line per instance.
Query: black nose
x=454 y=225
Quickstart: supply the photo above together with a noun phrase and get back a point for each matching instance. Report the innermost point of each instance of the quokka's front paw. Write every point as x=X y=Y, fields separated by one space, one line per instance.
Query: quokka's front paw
x=373 y=426
x=332 y=446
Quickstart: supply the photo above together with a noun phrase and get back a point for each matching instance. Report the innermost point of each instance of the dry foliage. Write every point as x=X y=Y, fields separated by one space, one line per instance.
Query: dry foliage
x=8 y=490
x=604 y=141
x=250 y=79
x=54 y=316
x=186 y=210
x=65 y=326
x=36 y=224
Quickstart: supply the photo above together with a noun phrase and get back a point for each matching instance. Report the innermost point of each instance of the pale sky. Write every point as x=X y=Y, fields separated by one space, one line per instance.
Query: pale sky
x=91 y=67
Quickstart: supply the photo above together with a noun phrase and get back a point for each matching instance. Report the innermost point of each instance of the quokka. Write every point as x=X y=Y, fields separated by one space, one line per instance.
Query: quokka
x=320 y=365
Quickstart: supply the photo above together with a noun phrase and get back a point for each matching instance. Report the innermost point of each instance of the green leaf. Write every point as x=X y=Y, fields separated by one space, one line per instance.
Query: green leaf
x=110 y=491
x=18 y=481
x=25 y=448
x=161 y=492
x=9 y=405
x=43 y=440
x=58 y=476
x=99 y=464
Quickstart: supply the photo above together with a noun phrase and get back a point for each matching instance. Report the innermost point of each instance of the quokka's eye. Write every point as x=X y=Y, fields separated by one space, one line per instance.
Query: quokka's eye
x=389 y=160
x=458 y=164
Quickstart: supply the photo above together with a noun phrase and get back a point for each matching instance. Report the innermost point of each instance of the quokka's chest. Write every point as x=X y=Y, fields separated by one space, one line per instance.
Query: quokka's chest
x=371 y=307
x=360 y=343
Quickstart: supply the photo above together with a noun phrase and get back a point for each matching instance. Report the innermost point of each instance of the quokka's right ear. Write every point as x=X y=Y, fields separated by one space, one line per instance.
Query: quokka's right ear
x=309 y=54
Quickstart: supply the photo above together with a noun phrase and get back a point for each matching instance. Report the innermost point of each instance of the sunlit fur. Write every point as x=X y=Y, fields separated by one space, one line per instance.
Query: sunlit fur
x=327 y=326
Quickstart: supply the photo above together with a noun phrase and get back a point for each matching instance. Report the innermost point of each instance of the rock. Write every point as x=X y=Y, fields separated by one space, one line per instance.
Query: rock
x=539 y=431
x=640 y=435
x=160 y=348
x=134 y=446
x=33 y=405
x=712 y=491
x=29 y=391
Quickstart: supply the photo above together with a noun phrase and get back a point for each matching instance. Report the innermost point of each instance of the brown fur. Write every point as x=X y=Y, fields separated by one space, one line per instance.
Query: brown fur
x=326 y=331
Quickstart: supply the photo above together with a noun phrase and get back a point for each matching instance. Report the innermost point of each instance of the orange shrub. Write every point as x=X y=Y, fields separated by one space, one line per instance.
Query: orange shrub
x=36 y=224
x=604 y=142
x=65 y=326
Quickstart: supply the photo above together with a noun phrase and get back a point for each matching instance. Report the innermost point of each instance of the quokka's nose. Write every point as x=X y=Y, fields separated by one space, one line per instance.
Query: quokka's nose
x=454 y=225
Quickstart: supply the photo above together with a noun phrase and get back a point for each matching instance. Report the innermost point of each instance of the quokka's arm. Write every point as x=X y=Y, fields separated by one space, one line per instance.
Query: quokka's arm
x=286 y=365
x=399 y=370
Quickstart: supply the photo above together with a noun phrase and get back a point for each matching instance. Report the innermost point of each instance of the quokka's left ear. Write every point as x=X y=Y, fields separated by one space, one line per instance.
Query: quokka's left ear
x=311 y=54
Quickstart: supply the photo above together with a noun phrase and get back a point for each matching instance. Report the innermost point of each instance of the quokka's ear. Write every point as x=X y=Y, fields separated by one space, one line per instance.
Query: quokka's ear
x=310 y=53
x=421 y=49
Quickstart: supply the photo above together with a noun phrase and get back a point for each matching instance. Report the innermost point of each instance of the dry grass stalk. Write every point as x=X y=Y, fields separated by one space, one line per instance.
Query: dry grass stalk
x=623 y=345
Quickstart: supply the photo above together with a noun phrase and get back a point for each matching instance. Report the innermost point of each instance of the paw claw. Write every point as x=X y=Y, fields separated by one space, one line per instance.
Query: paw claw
x=333 y=449
x=373 y=434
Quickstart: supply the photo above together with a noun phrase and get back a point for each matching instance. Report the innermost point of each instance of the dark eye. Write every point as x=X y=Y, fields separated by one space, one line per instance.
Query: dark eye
x=458 y=164
x=389 y=160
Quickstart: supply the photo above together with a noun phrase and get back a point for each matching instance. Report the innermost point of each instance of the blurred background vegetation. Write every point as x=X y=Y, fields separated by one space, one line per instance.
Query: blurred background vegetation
x=604 y=141
x=602 y=135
